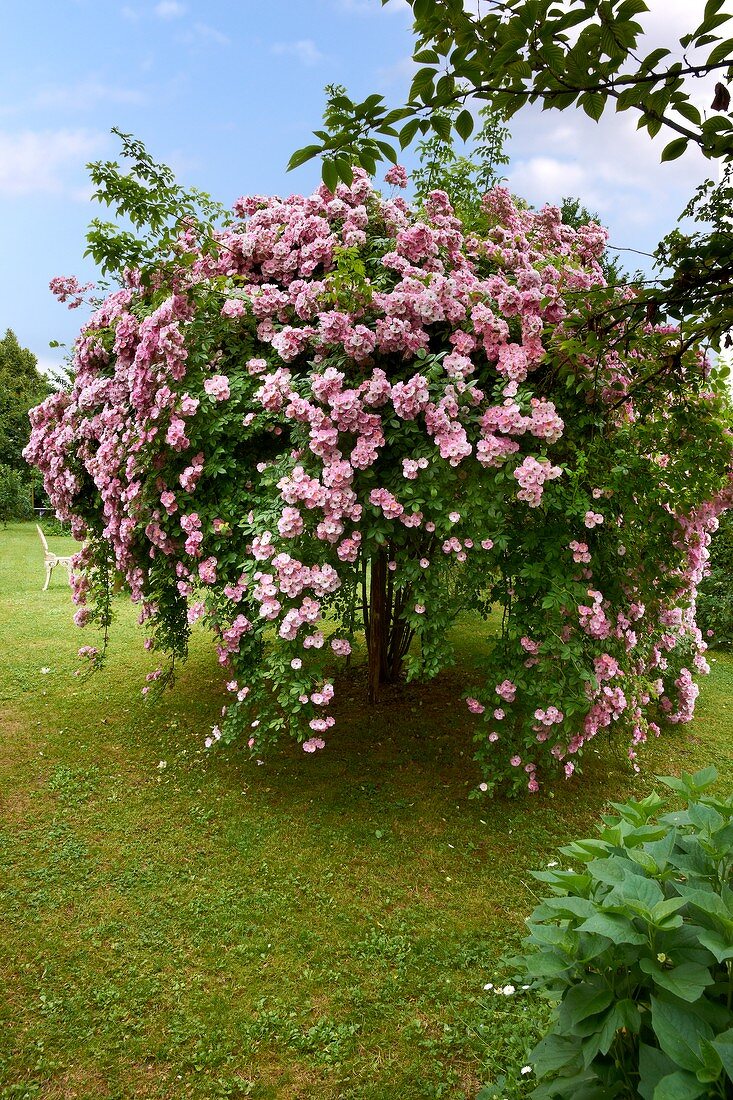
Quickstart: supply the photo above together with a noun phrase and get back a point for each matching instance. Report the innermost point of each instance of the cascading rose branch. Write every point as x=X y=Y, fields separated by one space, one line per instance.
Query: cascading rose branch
x=350 y=417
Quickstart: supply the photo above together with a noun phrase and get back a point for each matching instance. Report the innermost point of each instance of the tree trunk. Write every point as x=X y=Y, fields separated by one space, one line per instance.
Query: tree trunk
x=378 y=623
x=388 y=636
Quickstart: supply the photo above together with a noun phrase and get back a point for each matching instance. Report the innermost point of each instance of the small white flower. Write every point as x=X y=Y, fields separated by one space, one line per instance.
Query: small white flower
x=45 y=671
x=552 y=863
x=526 y=1069
x=507 y=990
x=162 y=765
x=489 y=985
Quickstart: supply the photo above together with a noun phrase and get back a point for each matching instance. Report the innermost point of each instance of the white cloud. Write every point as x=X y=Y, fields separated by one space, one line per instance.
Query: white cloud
x=169 y=9
x=84 y=95
x=305 y=50
x=45 y=161
x=211 y=34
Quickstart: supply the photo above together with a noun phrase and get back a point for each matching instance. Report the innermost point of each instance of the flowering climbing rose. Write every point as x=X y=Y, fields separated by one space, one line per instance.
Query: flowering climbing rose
x=343 y=419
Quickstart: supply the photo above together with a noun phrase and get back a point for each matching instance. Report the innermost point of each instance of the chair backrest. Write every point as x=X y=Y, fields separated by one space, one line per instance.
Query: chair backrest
x=42 y=537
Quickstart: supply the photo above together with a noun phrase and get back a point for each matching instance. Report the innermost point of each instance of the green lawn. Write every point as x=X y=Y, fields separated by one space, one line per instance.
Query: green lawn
x=312 y=927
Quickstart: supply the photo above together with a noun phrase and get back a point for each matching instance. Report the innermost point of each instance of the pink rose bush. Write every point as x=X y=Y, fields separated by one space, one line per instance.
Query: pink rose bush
x=341 y=404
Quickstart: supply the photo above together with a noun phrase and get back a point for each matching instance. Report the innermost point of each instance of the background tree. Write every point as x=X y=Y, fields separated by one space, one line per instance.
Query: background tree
x=21 y=387
x=580 y=53
x=464 y=178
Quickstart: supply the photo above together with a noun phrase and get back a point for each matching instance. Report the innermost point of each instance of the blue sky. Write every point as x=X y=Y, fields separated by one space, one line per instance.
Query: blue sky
x=224 y=91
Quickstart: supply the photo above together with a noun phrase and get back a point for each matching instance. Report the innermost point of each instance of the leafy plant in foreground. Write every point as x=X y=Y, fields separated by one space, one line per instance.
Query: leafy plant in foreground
x=636 y=946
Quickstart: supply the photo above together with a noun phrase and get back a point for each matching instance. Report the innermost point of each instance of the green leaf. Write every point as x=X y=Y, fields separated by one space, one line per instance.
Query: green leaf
x=345 y=170
x=593 y=103
x=582 y=1001
x=300 y=156
x=654 y=1065
x=675 y=149
x=426 y=57
x=679 y=1030
x=387 y=150
x=721 y=52
x=724 y=1047
x=442 y=126
x=678 y=1086
x=570 y=906
x=330 y=175
x=664 y=909
x=721 y=948
x=713 y=1064
x=614 y=927
x=553 y=1053
x=408 y=132
x=464 y=124
x=422 y=79
x=687 y=981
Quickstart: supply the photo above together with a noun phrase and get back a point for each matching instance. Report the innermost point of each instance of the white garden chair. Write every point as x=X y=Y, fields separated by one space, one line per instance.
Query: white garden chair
x=51 y=560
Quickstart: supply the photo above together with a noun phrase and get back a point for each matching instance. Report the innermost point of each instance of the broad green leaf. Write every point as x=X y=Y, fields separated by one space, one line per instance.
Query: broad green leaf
x=663 y=910
x=679 y=1086
x=675 y=149
x=300 y=156
x=724 y=1046
x=570 y=906
x=654 y=1065
x=593 y=103
x=687 y=981
x=679 y=1031
x=408 y=132
x=614 y=926
x=721 y=52
x=581 y=1001
x=552 y=1053
x=720 y=947
x=330 y=175
x=712 y=1062
x=464 y=124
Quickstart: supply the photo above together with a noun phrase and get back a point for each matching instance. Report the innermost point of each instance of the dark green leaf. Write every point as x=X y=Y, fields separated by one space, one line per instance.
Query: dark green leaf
x=581 y=1001
x=687 y=981
x=464 y=124
x=724 y=1047
x=593 y=104
x=552 y=1053
x=614 y=926
x=678 y=1086
x=679 y=1030
x=300 y=156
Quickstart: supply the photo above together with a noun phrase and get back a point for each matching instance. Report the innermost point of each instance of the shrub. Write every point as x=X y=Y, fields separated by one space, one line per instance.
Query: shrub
x=636 y=946
x=715 y=595
x=334 y=418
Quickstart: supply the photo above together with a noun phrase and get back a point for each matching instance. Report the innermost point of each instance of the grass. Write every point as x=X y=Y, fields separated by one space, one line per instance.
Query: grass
x=176 y=924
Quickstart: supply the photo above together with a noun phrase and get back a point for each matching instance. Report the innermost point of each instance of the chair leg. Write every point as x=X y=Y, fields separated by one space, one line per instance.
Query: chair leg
x=48 y=577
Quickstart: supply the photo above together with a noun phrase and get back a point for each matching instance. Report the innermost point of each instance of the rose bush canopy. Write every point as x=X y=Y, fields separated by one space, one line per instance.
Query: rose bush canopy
x=339 y=418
